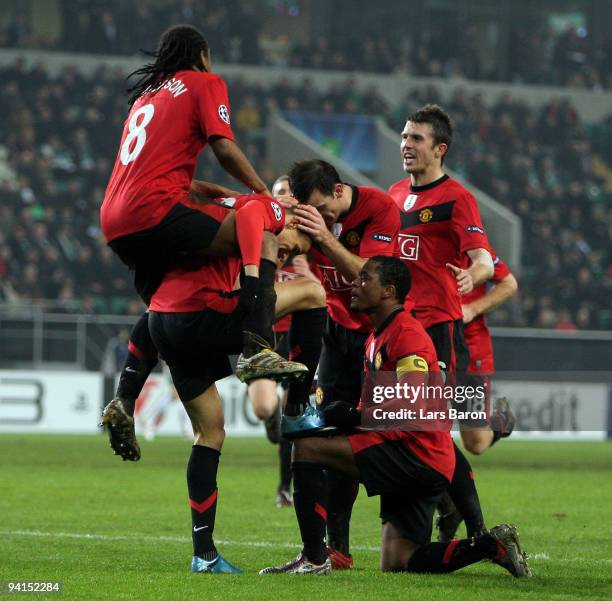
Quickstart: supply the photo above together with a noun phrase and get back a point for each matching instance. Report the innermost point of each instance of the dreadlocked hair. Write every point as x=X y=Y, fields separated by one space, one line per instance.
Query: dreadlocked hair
x=179 y=48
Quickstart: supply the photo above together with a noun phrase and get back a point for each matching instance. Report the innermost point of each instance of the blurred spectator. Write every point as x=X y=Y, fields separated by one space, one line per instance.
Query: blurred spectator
x=397 y=39
x=60 y=140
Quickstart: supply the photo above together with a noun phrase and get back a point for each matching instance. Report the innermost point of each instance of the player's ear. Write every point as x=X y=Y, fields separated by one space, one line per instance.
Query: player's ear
x=338 y=190
x=441 y=151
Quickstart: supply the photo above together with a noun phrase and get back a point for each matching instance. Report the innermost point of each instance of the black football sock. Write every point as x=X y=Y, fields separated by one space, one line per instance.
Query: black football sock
x=465 y=496
x=260 y=318
x=305 y=341
x=441 y=558
x=141 y=359
x=284 y=456
x=310 y=502
x=202 y=487
x=342 y=493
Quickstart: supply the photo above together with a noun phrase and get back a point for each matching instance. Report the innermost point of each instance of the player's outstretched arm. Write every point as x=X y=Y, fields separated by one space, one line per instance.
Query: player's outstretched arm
x=233 y=160
x=496 y=296
x=201 y=191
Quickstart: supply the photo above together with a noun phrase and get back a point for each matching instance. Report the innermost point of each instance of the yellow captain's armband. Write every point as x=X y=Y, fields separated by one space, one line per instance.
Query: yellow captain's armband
x=411 y=363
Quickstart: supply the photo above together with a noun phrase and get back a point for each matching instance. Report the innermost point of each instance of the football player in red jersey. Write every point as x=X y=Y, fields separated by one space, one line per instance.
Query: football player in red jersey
x=478 y=339
x=408 y=468
x=440 y=228
x=195 y=322
x=300 y=338
x=178 y=106
x=348 y=224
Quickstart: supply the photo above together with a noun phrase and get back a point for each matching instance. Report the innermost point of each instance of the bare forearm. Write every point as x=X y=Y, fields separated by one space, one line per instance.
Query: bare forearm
x=348 y=264
x=201 y=191
x=496 y=296
x=481 y=269
x=233 y=160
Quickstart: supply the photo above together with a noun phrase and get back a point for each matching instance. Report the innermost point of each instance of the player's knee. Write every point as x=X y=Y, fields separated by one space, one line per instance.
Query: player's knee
x=477 y=442
x=263 y=411
x=269 y=247
x=209 y=437
x=395 y=558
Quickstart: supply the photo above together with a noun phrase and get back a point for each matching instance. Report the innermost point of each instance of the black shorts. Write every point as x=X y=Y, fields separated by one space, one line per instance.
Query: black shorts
x=196 y=347
x=452 y=351
x=151 y=253
x=409 y=490
x=341 y=364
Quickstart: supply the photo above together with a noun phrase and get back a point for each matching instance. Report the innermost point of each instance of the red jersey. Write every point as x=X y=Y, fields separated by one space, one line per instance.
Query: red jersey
x=401 y=344
x=209 y=282
x=440 y=222
x=477 y=335
x=163 y=134
x=368 y=228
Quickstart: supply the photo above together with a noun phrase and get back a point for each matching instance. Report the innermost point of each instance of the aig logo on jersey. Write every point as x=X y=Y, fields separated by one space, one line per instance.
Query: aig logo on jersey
x=410 y=201
x=278 y=212
x=224 y=114
x=408 y=246
x=334 y=279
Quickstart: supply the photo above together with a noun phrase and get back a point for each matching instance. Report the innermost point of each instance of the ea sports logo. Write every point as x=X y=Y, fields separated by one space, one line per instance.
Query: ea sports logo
x=278 y=212
x=224 y=114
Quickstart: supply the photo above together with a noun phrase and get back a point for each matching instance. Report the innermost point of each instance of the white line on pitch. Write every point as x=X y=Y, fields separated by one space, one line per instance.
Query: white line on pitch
x=183 y=539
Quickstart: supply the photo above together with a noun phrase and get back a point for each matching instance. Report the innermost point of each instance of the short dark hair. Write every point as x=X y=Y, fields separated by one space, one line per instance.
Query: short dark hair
x=307 y=176
x=439 y=120
x=393 y=272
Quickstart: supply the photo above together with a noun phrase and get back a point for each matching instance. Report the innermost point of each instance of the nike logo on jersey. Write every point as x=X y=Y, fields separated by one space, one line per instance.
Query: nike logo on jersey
x=200 y=528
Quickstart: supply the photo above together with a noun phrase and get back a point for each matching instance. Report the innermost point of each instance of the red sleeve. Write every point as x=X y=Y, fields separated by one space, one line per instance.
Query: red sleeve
x=467 y=228
x=252 y=219
x=380 y=235
x=213 y=107
x=500 y=270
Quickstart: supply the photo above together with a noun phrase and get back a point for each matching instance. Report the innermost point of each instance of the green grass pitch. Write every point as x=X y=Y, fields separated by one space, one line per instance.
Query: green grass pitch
x=71 y=511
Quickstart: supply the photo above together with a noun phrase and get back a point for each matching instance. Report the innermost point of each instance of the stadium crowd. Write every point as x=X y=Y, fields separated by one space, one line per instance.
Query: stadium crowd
x=532 y=51
x=59 y=142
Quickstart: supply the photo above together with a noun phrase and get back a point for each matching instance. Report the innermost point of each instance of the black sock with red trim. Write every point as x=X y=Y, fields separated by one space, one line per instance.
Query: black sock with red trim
x=441 y=558
x=310 y=502
x=202 y=486
x=342 y=494
x=284 y=456
x=463 y=492
x=305 y=342
x=141 y=359
x=260 y=318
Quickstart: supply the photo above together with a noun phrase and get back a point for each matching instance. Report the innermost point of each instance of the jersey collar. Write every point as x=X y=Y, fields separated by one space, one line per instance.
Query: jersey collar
x=430 y=185
x=396 y=311
x=354 y=199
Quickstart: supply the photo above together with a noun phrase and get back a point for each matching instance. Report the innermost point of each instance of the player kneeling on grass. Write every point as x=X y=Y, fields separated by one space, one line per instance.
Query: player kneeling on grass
x=409 y=469
x=195 y=321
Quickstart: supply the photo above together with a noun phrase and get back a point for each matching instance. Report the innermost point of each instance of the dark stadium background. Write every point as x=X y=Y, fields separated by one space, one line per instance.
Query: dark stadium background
x=529 y=86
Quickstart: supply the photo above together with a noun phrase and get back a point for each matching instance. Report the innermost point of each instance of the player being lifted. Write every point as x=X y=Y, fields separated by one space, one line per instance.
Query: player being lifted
x=409 y=469
x=177 y=107
x=348 y=224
